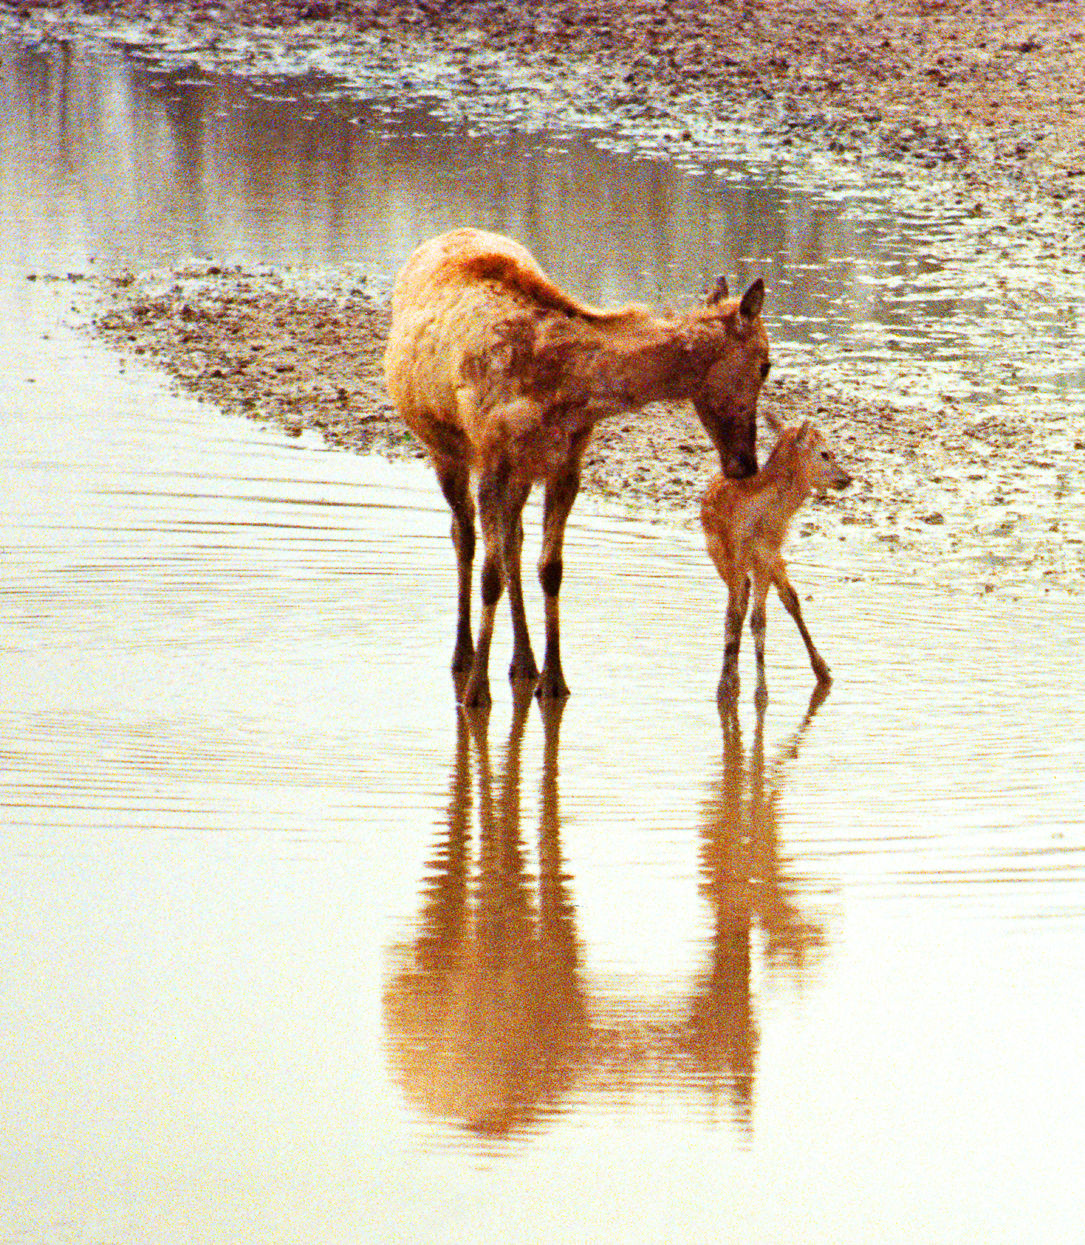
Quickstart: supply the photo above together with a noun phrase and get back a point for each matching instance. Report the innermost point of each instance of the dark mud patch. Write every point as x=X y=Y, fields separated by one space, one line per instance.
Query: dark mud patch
x=950 y=495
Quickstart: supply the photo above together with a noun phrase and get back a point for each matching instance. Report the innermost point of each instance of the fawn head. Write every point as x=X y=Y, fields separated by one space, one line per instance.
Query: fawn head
x=816 y=462
x=726 y=403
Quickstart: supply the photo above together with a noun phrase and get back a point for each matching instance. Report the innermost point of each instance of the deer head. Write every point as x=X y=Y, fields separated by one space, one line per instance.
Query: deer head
x=727 y=401
x=818 y=463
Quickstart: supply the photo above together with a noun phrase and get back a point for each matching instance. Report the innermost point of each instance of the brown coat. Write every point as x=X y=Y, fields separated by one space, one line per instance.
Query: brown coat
x=501 y=374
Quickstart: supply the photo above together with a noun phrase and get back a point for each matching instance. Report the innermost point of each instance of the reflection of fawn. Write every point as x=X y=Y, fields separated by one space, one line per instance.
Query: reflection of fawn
x=745 y=879
x=745 y=523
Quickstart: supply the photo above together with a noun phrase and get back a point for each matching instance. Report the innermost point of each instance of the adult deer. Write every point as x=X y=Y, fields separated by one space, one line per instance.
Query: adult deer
x=745 y=524
x=500 y=373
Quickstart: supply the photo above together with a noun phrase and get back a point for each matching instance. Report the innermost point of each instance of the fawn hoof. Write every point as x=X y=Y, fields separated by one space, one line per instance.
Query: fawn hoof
x=728 y=684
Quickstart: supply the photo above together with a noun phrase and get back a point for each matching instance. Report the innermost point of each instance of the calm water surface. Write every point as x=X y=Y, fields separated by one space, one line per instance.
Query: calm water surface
x=294 y=951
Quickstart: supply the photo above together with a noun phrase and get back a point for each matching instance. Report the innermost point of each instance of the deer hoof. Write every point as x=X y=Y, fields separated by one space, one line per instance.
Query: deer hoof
x=463 y=659
x=476 y=694
x=552 y=687
x=523 y=668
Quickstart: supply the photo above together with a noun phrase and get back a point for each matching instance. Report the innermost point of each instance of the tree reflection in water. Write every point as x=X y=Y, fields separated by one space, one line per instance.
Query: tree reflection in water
x=487 y=1013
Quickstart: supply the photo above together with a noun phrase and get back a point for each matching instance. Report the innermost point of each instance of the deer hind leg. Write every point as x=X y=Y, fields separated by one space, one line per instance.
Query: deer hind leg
x=455 y=480
x=738 y=600
x=561 y=491
x=501 y=504
x=790 y=599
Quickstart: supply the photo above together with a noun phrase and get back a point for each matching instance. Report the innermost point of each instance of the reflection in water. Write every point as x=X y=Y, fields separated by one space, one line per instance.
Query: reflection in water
x=488 y=1016
x=134 y=163
x=744 y=882
x=486 y=1009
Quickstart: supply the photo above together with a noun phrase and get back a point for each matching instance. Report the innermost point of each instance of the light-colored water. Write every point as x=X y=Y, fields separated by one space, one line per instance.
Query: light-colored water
x=293 y=952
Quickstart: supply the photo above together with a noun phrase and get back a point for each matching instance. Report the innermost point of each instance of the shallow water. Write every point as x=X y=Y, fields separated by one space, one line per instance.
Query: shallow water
x=121 y=160
x=295 y=952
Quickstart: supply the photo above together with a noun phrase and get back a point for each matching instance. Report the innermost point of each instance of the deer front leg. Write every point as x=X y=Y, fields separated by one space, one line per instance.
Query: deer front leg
x=790 y=599
x=758 y=624
x=455 y=480
x=738 y=599
x=561 y=492
x=500 y=502
x=523 y=658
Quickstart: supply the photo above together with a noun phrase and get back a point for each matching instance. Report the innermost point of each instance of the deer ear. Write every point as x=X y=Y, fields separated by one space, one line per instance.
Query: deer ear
x=721 y=292
x=752 y=301
x=805 y=429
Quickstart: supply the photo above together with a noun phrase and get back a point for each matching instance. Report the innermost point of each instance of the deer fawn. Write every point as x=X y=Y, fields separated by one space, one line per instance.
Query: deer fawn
x=745 y=523
x=501 y=374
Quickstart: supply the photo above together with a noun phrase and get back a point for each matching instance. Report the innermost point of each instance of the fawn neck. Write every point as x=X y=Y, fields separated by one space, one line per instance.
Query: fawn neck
x=779 y=489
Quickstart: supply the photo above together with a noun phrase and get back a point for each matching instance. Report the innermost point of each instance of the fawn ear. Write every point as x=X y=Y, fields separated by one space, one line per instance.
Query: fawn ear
x=721 y=292
x=752 y=301
x=806 y=428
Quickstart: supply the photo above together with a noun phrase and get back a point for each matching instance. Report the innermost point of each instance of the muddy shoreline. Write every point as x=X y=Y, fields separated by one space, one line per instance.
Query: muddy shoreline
x=956 y=496
x=977 y=101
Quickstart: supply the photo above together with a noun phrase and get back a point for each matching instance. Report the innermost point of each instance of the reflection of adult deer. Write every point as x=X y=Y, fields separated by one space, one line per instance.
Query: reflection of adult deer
x=485 y=1011
x=743 y=879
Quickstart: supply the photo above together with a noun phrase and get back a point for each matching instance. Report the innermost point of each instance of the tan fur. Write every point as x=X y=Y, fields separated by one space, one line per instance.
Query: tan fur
x=745 y=525
x=498 y=372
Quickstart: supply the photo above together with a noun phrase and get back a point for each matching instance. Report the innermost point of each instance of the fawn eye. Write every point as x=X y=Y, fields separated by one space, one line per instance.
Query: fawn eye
x=825 y=454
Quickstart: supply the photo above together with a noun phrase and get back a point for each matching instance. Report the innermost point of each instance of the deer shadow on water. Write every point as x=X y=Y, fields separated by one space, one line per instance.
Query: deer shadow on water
x=490 y=1022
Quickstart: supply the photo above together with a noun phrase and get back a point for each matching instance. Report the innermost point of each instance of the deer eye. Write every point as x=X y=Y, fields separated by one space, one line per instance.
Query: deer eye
x=826 y=455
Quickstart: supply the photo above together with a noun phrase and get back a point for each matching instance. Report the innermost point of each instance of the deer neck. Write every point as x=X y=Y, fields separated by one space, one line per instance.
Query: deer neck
x=656 y=361
x=781 y=492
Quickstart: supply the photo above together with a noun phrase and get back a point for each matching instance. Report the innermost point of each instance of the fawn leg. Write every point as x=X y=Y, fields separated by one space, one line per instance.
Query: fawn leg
x=523 y=659
x=561 y=492
x=790 y=598
x=500 y=503
x=738 y=600
x=455 y=479
x=758 y=624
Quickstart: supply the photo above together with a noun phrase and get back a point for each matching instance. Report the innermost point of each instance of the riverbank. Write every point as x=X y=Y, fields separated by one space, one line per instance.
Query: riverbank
x=963 y=493
x=982 y=103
